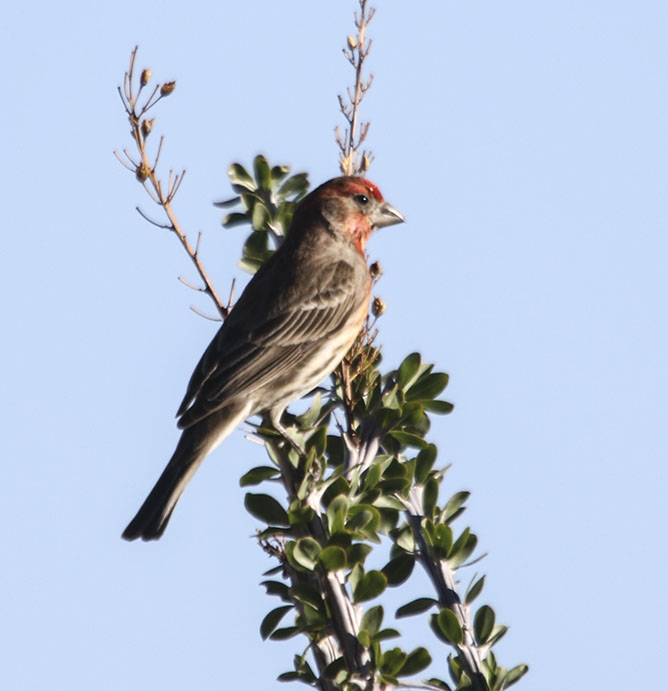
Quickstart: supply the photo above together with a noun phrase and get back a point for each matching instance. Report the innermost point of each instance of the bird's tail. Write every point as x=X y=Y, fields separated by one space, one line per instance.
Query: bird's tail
x=193 y=446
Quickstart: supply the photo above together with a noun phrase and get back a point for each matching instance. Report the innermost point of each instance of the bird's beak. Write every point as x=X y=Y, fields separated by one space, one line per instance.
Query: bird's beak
x=386 y=215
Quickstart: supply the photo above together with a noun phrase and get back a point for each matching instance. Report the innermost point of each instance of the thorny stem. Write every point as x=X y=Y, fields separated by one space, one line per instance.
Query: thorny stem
x=443 y=580
x=352 y=161
x=345 y=616
x=146 y=171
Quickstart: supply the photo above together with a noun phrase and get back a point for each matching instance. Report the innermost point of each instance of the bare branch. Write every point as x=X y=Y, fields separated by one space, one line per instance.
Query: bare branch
x=351 y=160
x=190 y=285
x=123 y=163
x=151 y=221
x=205 y=316
x=146 y=172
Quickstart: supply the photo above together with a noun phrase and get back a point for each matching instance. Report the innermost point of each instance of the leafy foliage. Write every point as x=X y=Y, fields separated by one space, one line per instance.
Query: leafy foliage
x=348 y=488
x=268 y=199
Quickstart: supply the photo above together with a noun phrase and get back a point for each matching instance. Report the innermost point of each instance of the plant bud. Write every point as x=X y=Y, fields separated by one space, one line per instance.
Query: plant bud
x=142 y=172
x=167 y=88
x=145 y=77
x=351 y=42
x=378 y=307
x=147 y=126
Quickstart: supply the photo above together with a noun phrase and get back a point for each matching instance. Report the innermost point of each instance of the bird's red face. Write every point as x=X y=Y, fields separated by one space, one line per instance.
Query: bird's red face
x=357 y=206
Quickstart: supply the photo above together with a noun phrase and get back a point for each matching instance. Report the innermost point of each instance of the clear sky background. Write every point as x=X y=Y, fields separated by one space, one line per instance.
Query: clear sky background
x=526 y=143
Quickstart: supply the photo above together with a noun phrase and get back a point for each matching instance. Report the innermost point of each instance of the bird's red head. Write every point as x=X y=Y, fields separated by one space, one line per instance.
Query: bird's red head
x=352 y=205
x=349 y=186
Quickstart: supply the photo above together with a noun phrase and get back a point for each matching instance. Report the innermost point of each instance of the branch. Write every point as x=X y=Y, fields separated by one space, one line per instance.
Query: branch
x=352 y=160
x=146 y=172
x=443 y=580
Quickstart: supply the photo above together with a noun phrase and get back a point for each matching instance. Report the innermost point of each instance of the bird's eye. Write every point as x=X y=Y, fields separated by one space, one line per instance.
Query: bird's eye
x=362 y=199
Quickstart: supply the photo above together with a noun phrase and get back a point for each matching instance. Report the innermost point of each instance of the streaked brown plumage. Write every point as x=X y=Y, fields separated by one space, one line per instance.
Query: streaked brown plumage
x=294 y=322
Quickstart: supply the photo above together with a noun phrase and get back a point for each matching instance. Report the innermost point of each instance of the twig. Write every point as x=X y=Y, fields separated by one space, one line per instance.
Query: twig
x=205 y=316
x=146 y=172
x=353 y=160
x=443 y=580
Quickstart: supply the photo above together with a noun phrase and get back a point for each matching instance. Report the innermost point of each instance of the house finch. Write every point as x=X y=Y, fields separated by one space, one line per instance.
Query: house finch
x=294 y=322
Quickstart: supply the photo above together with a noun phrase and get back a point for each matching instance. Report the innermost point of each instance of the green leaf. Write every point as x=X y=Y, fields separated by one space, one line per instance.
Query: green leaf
x=363 y=517
x=430 y=496
x=449 y=626
x=336 y=514
x=307 y=594
x=515 y=674
x=405 y=540
x=355 y=576
x=390 y=399
x=234 y=219
x=422 y=604
x=372 y=476
x=284 y=634
x=338 y=487
x=439 y=684
x=462 y=549
x=424 y=463
x=372 y=620
x=475 y=590
x=454 y=504
x=408 y=439
x=294 y=186
x=393 y=660
x=438 y=407
x=333 y=558
x=306 y=552
x=386 y=633
x=398 y=570
x=289 y=676
x=266 y=508
x=497 y=634
x=364 y=638
x=371 y=585
x=262 y=172
x=393 y=485
x=258 y=475
x=343 y=540
x=357 y=553
x=300 y=514
x=308 y=419
x=239 y=176
x=416 y=661
x=277 y=588
x=483 y=624
x=225 y=204
x=442 y=540
x=333 y=668
x=388 y=502
x=408 y=370
x=272 y=620
x=279 y=172
x=427 y=388
x=317 y=441
x=260 y=216
x=256 y=247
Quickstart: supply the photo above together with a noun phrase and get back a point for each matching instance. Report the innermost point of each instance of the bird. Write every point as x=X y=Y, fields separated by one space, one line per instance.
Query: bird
x=293 y=324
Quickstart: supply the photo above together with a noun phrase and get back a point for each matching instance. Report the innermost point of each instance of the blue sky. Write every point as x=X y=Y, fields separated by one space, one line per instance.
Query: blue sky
x=525 y=142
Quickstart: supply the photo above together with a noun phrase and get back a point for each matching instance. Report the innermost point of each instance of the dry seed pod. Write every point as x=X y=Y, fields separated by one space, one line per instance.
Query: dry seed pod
x=147 y=126
x=142 y=172
x=167 y=88
x=378 y=307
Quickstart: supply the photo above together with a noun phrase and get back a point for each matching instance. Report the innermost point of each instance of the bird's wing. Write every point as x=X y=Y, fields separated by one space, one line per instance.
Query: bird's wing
x=267 y=336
